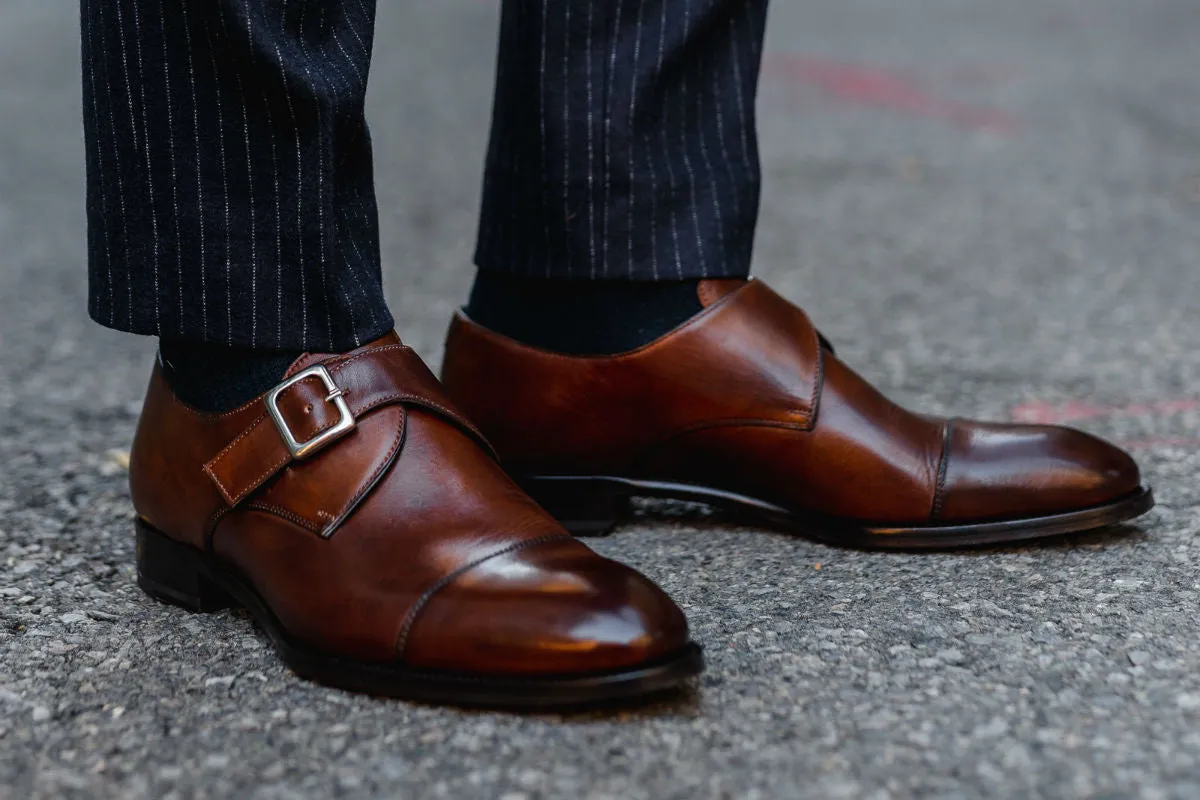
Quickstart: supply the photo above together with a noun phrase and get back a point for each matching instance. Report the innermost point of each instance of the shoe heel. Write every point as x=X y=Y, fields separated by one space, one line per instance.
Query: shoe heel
x=174 y=573
x=584 y=507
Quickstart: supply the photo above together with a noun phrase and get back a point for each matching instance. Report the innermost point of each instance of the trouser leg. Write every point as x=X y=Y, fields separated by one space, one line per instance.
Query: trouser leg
x=230 y=191
x=623 y=140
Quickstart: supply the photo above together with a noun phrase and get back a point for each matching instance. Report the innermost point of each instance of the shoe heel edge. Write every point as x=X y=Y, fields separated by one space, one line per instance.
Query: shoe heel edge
x=584 y=506
x=174 y=573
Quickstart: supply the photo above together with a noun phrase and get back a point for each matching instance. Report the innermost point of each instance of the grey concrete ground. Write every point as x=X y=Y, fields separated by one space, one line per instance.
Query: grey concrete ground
x=994 y=209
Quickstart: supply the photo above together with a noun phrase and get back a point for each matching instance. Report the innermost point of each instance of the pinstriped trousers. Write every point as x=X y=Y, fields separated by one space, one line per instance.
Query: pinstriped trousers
x=230 y=190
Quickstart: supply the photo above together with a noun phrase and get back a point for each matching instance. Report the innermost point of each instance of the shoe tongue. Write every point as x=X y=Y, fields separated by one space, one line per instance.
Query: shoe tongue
x=710 y=290
x=308 y=359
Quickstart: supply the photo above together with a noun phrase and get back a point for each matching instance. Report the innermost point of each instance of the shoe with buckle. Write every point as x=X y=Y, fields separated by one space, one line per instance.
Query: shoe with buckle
x=364 y=523
x=747 y=408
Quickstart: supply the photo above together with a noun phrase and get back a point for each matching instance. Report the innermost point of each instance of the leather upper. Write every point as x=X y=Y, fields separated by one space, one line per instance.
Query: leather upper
x=745 y=397
x=403 y=540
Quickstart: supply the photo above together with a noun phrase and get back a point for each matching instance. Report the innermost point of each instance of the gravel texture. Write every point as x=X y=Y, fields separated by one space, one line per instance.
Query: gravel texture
x=991 y=207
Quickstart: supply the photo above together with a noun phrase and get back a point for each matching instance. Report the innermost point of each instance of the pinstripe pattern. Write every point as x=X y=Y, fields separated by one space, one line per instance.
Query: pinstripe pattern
x=101 y=302
x=639 y=117
x=230 y=188
x=665 y=153
x=202 y=243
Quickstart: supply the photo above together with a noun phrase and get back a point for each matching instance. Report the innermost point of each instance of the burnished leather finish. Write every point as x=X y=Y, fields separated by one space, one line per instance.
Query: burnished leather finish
x=991 y=469
x=582 y=609
x=402 y=545
x=746 y=400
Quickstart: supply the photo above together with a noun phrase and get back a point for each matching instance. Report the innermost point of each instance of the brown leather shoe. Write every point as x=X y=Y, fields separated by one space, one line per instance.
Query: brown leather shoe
x=360 y=519
x=745 y=406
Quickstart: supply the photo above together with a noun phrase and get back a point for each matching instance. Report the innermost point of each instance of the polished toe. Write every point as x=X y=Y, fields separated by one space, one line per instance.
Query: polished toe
x=997 y=471
x=549 y=608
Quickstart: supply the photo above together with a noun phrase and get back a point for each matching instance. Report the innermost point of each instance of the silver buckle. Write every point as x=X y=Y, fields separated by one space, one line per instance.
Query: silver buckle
x=344 y=425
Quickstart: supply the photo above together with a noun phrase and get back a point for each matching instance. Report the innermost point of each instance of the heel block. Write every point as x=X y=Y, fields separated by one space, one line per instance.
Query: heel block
x=176 y=573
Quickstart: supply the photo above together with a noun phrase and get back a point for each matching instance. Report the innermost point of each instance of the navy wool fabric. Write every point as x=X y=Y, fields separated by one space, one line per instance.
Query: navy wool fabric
x=230 y=189
x=623 y=140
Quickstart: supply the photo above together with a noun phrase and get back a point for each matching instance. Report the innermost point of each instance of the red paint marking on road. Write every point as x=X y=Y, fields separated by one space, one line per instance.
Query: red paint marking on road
x=883 y=89
x=1040 y=411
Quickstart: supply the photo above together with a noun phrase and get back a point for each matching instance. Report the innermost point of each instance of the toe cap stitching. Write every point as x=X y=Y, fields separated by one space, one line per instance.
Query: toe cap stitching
x=410 y=618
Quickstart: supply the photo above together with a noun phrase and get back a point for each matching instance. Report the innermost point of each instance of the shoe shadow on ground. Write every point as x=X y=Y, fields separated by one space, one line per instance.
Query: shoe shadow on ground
x=682 y=701
x=1114 y=536
x=658 y=512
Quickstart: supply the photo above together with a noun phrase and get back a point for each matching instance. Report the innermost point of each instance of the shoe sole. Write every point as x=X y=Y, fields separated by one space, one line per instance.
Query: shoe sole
x=593 y=505
x=184 y=576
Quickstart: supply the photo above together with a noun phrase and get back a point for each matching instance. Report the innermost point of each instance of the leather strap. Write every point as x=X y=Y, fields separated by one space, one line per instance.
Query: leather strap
x=368 y=380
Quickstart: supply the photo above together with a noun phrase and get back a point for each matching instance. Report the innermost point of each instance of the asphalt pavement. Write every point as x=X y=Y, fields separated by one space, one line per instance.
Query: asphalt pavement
x=992 y=208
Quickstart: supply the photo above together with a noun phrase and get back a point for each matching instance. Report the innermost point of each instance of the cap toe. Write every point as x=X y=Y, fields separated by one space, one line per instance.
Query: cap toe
x=554 y=607
x=997 y=471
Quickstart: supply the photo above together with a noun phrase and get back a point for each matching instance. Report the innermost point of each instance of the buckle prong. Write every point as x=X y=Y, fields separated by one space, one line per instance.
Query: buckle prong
x=345 y=423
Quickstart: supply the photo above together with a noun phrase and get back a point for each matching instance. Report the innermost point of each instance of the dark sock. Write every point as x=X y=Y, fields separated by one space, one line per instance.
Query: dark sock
x=581 y=317
x=216 y=378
